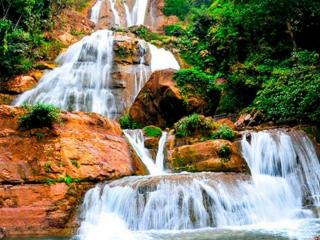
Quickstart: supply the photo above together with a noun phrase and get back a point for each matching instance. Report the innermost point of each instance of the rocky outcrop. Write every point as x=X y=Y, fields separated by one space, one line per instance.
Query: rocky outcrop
x=44 y=172
x=159 y=102
x=155 y=18
x=213 y=155
x=40 y=209
x=129 y=74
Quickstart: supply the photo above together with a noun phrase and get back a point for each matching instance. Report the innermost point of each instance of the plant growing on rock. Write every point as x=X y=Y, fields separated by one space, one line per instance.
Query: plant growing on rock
x=187 y=126
x=224 y=152
x=223 y=132
x=39 y=116
x=126 y=122
x=152 y=131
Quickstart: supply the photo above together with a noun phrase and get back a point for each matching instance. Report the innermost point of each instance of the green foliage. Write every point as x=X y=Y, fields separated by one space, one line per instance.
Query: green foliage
x=223 y=132
x=292 y=94
x=68 y=180
x=181 y=8
x=264 y=51
x=144 y=33
x=224 y=152
x=152 y=131
x=187 y=126
x=126 y=122
x=39 y=116
x=196 y=82
x=174 y=30
x=22 y=23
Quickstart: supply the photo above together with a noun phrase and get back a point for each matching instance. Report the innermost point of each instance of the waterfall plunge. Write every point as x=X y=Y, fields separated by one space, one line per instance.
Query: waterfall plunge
x=82 y=82
x=192 y=201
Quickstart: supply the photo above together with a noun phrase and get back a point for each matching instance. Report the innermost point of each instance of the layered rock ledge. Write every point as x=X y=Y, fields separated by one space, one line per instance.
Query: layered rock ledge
x=44 y=173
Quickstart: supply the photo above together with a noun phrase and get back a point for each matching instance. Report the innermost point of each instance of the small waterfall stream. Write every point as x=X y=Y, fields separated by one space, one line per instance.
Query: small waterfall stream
x=138 y=13
x=281 y=163
x=136 y=139
x=95 y=12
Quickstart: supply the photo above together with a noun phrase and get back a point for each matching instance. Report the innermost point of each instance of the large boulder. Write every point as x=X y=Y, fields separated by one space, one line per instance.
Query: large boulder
x=213 y=155
x=18 y=84
x=159 y=102
x=44 y=172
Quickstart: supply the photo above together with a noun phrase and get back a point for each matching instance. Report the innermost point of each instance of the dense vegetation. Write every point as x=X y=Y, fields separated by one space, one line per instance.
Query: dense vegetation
x=22 y=27
x=263 y=54
x=40 y=115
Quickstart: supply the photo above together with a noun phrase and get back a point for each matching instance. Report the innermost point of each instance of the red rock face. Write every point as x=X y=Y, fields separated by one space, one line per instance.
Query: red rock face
x=159 y=102
x=40 y=209
x=84 y=148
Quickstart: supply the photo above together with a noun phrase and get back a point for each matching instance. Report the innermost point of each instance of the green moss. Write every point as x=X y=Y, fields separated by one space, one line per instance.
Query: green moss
x=47 y=167
x=75 y=163
x=152 y=131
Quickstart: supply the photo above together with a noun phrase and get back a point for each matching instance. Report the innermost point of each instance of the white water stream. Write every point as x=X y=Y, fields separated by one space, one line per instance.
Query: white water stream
x=138 y=14
x=82 y=82
x=136 y=139
x=280 y=163
x=95 y=12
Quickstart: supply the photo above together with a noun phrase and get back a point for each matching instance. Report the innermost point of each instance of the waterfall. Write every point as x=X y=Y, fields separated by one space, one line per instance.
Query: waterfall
x=289 y=155
x=95 y=11
x=160 y=153
x=136 y=139
x=162 y=59
x=138 y=14
x=82 y=82
x=142 y=72
x=284 y=168
x=115 y=13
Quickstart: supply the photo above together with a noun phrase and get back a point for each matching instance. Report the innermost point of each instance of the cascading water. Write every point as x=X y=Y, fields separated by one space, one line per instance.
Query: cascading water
x=116 y=17
x=136 y=139
x=289 y=155
x=95 y=11
x=162 y=59
x=138 y=14
x=142 y=72
x=82 y=82
x=279 y=162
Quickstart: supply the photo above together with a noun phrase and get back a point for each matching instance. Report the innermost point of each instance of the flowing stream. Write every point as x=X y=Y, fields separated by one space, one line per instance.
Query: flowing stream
x=285 y=170
x=274 y=202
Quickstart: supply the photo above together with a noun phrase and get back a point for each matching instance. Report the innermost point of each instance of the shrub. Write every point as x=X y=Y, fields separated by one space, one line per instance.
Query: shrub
x=223 y=132
x=39 y=116
x=152 y=131
x=193 y=82
x=126 y=122
x=187 y=126
x=224 y=151
x=144 y=33
x=174 y=30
